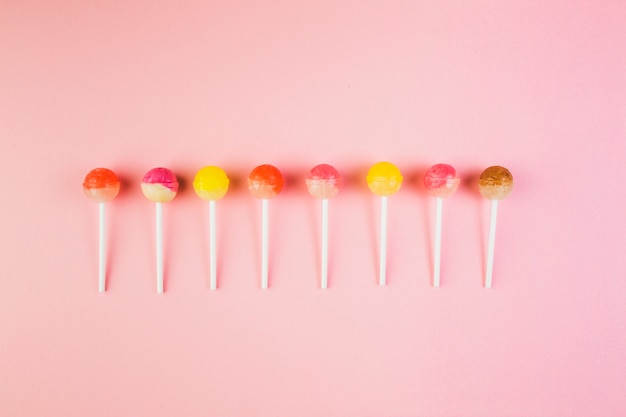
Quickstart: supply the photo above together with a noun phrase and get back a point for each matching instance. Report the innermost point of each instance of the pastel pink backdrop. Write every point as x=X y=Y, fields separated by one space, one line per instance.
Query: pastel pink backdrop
x=539 y=87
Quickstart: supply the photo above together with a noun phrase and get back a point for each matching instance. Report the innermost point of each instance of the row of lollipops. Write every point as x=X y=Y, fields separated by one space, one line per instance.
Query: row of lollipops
x=265 y=182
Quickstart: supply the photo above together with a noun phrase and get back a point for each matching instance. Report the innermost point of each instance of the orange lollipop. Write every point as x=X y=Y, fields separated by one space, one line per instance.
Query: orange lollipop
x=101 y=185
x=265 y=182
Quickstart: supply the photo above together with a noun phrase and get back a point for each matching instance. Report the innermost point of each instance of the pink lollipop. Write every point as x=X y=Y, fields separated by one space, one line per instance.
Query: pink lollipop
x=324 y=182
x=160 y=186
x=441 y=182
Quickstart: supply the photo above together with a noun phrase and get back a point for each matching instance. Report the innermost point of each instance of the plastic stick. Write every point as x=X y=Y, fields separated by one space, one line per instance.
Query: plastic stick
x=264 y=244
x=102 y=249
x=492 y=242
x=324 y=283
x=159 y=246
x=383 y=241
x=212 y=245
x=437 y=266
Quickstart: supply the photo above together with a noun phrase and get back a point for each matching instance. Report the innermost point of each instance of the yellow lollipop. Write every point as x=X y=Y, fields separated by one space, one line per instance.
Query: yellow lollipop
x=384 y=179
x=211 y=183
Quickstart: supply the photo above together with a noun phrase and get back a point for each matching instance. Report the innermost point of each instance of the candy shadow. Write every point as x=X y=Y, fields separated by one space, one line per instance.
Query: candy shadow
x=150 y=218
x=297 y=184
x=238 y=183
x=202 y=213
x=415 y=179
x=469 y=186
x=355 y=180
x=238 y=188
x=111 y=244
x=292 y=182
x=168 y=227
x=315 y=225
x=129 y=186
x=255 y=212
x=221 y=232
x=333 y=232
x=185 y=185
x=238 y=180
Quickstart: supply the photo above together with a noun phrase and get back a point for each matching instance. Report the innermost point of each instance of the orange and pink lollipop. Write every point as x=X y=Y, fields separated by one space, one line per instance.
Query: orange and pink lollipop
x=101 y=185
x=265 y=182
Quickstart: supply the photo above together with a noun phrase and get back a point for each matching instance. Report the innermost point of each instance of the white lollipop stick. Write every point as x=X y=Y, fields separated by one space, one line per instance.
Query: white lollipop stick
x=437 y=266
x=383 y=240
x=264 y=243
x=325 y=243
x=492 y=242
x=102 y=249
x=212 y=245
x=159 y=246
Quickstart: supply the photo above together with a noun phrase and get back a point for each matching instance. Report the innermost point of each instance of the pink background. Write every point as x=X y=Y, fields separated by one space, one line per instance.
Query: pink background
x=538 y=87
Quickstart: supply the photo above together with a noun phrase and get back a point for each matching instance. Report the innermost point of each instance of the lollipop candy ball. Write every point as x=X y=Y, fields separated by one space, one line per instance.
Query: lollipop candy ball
x=441 y=180
x=101 y=185
x=265 y=181
x=384 y=179
x=324 y=181
x=159 y=185
x=211 y=183
x=495 y=183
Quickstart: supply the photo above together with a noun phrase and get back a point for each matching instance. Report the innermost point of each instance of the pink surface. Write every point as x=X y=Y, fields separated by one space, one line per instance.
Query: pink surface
x=538 y=87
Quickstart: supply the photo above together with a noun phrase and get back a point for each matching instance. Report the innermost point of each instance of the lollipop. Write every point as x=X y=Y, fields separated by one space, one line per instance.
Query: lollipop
x=265 y=182
x=101 y=185
x=495 y=184
x=384 y=179
x=159 y=185
x=324 y=182
x=211 y=183
x=441 y=182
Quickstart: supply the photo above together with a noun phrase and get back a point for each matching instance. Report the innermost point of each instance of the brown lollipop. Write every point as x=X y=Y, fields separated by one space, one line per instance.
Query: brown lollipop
x=495 y=184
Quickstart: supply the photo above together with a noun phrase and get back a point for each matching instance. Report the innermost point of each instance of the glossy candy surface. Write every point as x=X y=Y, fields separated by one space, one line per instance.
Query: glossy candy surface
x=211 y=183
x=159 y=185
x=324 y=181
x=441 y=180
x=101 y=185
x=495 y=183
x=265 y=181
x=384 y=179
